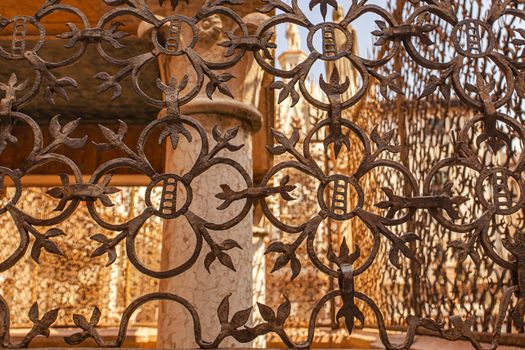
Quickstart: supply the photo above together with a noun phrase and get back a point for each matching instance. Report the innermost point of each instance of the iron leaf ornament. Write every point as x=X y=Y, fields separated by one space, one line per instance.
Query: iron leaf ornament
x=480 y=78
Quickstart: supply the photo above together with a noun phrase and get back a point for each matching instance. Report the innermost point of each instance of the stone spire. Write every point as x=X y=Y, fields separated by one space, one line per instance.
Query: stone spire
x=294 y=39
x=338 y=14
x=293 y=55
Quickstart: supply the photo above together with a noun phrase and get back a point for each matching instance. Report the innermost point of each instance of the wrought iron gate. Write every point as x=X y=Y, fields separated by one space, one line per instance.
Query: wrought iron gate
x=472 y=197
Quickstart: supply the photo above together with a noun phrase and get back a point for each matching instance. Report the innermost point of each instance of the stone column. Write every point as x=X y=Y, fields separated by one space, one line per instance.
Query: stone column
x=205 y=290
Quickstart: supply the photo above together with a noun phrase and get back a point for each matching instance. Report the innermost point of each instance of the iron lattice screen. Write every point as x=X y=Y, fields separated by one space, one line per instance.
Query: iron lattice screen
x=471 y=197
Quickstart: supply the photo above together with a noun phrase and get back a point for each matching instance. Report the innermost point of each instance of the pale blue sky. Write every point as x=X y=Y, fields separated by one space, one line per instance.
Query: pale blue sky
x=364 y=27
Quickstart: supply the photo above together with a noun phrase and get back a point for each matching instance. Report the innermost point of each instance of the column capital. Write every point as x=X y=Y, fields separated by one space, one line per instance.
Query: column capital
x=227 y=108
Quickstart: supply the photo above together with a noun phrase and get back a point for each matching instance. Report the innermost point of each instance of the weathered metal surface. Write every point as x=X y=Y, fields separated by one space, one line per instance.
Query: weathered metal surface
x=498 y=189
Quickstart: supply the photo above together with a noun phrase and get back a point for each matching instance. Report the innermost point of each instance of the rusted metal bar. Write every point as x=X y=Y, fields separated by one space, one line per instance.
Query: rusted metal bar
x=497 y=189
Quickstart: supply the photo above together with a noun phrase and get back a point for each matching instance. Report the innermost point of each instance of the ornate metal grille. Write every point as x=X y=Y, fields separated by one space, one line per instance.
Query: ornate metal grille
x=472 y=196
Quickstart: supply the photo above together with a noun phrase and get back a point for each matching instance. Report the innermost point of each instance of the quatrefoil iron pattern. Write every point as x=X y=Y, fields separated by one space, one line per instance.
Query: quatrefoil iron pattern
x=499 y=189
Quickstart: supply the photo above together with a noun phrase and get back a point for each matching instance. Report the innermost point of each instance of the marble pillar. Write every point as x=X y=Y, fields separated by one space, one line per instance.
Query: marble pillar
x=205 y=290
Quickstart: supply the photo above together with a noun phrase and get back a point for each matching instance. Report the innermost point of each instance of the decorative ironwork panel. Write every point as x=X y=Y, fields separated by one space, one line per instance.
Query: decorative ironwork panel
x=78 y=281
x=466 y=192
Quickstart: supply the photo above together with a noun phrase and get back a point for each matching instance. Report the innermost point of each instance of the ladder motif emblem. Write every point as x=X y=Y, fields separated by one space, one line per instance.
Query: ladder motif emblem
x=340 y=197
x=329 y=42
x=473 y=35
x=168 y=201
x=18 y=44
x=174 y=35
x=500 y=190
x=473 y=38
